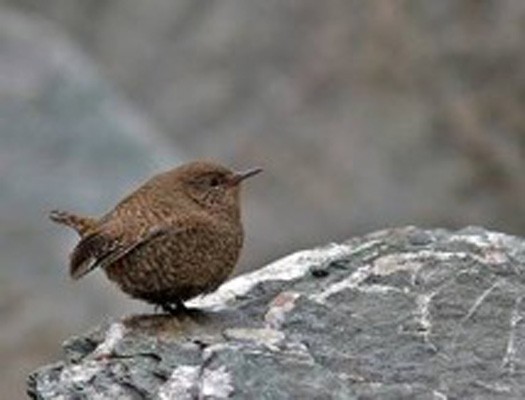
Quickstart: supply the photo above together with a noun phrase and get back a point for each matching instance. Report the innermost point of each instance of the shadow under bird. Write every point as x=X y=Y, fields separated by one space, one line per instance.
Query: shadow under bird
x=177 y=236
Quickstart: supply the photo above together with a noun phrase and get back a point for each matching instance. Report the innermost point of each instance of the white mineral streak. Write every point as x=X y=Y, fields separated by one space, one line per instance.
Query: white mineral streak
x=485 y=239
x=114 y=334
x=85 y=371
x=298 y=352
x=384 y=266
x=439 y=395
x=211 y=350
x=423 y=312
x=413 y=261
x=479 y=301
x=392 y=263
x=216 y=384
x=278 y=308
x=182 y=384
x=189 y=382
x=267 y=337
x=510 y=352
x=80 y=373
x=381 y=289
x=288 y=268
x=492 y=244
x=350 y=282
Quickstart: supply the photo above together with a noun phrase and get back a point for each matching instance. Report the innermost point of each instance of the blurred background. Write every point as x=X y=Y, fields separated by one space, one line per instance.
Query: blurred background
x=364 y=114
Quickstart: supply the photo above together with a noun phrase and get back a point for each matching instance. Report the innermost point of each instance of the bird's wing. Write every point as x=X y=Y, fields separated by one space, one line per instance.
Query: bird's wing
x=101 y=249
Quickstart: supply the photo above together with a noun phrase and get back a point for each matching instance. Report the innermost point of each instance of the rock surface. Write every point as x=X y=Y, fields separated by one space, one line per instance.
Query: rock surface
x=401 y=313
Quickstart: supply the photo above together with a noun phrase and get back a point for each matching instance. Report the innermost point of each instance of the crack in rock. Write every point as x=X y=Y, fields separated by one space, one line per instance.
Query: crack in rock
x=477 y=303
x=510 y=351
x=350 y=282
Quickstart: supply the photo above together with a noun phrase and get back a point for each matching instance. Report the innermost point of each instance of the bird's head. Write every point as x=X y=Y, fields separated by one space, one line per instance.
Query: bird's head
x=213 y=186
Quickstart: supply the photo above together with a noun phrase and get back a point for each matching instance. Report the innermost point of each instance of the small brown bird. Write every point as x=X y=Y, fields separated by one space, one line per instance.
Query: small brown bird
x=177 y=236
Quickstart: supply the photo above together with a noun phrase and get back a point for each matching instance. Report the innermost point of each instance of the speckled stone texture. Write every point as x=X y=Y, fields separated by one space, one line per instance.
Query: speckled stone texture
x=399 y=314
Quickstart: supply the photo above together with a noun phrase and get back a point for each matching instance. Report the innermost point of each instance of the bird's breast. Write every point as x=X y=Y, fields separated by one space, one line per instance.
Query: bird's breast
x=188 y=261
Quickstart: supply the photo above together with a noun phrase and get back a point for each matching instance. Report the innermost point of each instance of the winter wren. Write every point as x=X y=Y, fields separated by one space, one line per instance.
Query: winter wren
x=177 y=236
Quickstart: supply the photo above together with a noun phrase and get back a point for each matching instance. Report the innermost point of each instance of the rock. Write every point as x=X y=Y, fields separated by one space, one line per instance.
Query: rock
x=401 y=313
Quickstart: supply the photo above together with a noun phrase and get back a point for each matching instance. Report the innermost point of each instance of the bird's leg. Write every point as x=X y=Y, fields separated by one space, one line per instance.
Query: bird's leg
x=175 y=308
x=168 y=308
x=181 y=307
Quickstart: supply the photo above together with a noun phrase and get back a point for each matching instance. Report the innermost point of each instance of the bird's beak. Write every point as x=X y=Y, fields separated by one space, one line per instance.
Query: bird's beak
x=238 y=177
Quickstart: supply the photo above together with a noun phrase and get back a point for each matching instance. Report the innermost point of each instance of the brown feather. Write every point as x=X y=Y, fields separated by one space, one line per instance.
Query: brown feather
x=79 y=223
x=99 y=250
x=123 y=251
x=87 y=254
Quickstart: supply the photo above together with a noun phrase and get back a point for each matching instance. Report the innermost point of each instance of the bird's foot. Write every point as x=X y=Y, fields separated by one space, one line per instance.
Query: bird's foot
x=176 y=308
x=169 y=308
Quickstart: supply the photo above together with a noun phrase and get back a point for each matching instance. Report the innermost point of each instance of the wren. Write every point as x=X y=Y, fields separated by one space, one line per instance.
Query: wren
x=177 y=236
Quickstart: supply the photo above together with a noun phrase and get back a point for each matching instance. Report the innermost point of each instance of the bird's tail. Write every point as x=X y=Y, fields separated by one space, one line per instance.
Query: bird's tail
x=82 y=225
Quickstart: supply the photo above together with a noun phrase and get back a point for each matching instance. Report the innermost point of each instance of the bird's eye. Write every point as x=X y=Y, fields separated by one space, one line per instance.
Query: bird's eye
x=214 y=181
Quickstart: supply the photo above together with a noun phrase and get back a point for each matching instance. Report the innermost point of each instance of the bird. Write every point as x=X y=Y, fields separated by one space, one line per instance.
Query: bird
x=177 y=236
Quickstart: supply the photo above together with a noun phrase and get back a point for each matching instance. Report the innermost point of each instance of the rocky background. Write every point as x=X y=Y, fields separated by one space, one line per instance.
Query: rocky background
x=364 y=115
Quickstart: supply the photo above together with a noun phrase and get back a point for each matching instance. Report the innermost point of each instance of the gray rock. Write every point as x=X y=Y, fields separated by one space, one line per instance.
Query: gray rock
x=401 y=313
